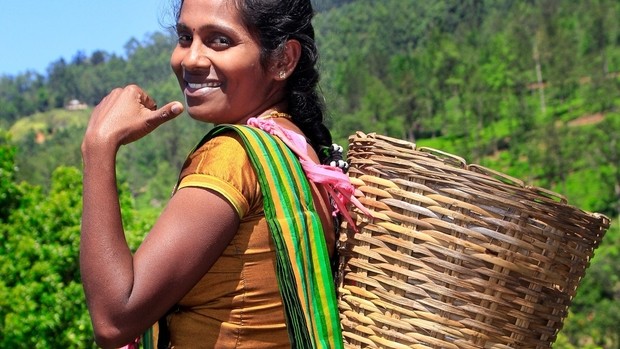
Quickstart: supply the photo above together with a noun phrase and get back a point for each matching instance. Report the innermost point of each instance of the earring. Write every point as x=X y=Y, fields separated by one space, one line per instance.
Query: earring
x=282 y=74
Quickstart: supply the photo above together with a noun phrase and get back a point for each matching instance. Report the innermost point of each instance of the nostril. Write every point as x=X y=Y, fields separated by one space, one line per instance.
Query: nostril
x=196 y=61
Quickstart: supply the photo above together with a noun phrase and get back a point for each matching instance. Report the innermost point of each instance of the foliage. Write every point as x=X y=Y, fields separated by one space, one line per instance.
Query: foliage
x=42 y=300
x=595 y=313
x=529 y=88
x=42 y=304
x=9 y=192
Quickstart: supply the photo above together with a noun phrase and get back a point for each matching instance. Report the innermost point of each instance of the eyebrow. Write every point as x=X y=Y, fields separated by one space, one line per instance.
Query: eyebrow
x=212 y=27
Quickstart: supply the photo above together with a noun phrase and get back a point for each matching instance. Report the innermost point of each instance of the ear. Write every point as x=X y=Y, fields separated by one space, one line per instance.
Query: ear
x=285 y=64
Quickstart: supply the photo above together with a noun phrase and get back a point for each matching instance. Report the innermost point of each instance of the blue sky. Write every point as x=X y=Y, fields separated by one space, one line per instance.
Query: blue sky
x=35 y=33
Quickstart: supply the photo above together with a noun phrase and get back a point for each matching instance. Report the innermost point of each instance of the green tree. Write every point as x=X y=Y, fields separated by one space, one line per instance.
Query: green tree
x=42 y=301
x=9 y=192
x=595 y=313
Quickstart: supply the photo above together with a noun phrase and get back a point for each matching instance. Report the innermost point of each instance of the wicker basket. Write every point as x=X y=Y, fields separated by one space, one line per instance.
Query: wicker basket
x=455 y=255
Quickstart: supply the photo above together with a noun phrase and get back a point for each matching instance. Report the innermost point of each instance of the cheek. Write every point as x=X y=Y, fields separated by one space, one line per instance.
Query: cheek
x=175 y=63
x=178 y=73
x=253 y=73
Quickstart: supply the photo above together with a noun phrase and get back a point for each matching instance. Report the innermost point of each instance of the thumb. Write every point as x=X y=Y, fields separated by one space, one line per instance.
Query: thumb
x=171 y=110
x=166 y=113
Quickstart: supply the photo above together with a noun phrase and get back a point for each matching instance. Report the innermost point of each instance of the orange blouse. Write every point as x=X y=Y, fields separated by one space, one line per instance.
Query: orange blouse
x=237 y=304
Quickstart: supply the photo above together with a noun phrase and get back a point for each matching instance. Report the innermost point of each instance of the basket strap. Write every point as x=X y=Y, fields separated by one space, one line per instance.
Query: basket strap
x=302 y=261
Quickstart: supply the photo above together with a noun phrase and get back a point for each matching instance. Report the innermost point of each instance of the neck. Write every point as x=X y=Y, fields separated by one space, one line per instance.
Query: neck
x=279 y=108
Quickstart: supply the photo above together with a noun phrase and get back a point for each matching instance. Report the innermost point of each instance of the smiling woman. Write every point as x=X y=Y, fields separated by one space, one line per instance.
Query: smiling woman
x=241 y=256
x=217 y=65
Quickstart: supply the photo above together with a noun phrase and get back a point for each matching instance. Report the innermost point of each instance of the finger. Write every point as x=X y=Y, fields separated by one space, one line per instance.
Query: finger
x=143 y=97
x=147 y=101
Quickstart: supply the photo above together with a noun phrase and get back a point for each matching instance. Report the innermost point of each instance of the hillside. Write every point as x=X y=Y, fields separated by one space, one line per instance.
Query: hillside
x=42 y=126
x=531 y=89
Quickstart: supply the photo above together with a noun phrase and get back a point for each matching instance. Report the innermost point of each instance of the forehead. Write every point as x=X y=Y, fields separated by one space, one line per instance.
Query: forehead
x=204 y=11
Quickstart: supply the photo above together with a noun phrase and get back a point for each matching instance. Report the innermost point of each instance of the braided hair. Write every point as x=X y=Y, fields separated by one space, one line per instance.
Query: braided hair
x=274 y=22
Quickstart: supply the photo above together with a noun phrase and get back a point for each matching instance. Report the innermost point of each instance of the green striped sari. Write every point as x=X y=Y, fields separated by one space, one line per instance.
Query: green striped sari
x=303 y=266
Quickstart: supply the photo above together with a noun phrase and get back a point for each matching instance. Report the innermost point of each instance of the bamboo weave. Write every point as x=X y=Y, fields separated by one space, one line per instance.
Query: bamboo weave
x=455 y=255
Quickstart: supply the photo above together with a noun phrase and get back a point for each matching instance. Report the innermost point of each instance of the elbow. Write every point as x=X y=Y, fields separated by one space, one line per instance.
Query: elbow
x=110 y=336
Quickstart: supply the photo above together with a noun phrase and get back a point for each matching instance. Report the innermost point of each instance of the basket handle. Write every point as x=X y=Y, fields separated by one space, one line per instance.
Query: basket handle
x=504 y=178
x=447 y=158
x=549 y=194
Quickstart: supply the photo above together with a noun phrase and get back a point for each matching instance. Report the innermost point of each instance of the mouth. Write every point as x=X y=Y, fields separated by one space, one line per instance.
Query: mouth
x=200 y=89
x=197 y=86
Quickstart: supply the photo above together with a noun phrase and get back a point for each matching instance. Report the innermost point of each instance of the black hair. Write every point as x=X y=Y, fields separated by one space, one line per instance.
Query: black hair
x=274 y=22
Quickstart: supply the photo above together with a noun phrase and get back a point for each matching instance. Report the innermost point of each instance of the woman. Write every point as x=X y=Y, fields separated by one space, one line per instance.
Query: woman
x=208 y=264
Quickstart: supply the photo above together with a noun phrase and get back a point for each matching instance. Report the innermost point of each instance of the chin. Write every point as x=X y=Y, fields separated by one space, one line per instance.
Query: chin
x=200 y=114
x=201 y=117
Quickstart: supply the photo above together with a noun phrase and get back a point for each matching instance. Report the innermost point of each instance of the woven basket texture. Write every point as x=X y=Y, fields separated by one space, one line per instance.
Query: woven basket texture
x=455 y=255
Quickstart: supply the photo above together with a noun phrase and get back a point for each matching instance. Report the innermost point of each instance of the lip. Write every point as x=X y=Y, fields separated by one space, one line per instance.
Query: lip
x=198 y=89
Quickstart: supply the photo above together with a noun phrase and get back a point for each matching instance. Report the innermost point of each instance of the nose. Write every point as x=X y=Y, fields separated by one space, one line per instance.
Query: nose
x=196 y=57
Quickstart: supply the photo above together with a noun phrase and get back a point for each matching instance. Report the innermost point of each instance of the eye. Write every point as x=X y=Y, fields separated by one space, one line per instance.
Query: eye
x=221 y=42
x=184 y=39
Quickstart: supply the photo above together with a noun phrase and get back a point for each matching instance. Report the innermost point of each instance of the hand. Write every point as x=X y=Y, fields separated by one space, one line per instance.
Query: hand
x=126 y=115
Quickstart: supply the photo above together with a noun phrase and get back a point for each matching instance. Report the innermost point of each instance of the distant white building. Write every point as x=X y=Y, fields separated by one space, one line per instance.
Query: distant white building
x=75 y=104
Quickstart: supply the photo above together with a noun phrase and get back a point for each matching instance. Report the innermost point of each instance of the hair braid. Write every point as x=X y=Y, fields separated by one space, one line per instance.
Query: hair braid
x=275 y=22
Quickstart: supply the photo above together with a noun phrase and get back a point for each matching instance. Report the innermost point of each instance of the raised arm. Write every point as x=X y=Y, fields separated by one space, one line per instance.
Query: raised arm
x=127 y=293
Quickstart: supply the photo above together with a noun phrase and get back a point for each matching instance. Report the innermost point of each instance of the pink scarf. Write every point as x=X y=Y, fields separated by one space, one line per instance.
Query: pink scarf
x=331 y=178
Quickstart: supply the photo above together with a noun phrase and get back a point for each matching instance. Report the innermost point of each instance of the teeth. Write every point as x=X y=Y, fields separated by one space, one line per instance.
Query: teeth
x=199 y=86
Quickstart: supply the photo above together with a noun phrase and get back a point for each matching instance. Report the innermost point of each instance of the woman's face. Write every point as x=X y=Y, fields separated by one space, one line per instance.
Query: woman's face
x=216 y=62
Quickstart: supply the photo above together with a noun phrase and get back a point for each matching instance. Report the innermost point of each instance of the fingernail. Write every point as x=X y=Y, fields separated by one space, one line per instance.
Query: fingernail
x=176 y=109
